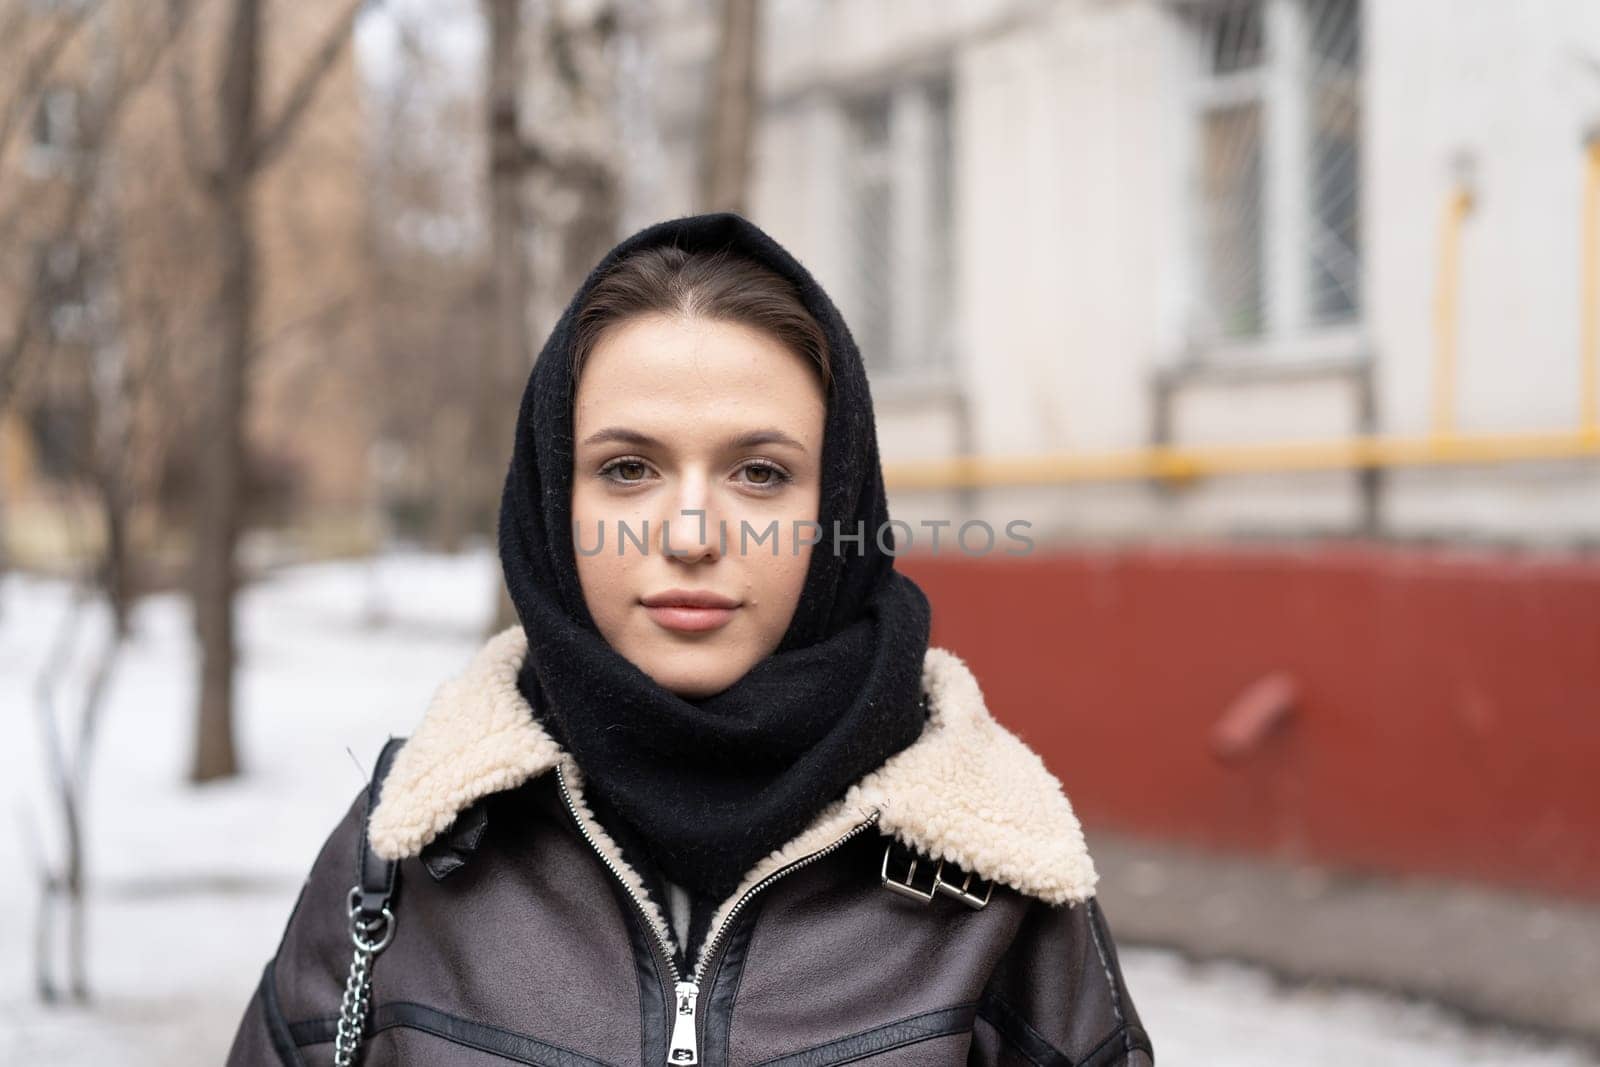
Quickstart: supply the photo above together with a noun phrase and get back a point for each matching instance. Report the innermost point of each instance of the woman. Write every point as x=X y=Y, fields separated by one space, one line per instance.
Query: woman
x=715 y=799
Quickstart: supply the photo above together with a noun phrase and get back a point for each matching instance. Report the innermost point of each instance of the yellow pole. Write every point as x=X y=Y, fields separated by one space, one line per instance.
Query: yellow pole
x=1444 y=311
x=1590 y=339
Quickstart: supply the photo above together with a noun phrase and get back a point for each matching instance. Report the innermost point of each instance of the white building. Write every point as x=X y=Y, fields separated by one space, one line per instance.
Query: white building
x=1092 y=226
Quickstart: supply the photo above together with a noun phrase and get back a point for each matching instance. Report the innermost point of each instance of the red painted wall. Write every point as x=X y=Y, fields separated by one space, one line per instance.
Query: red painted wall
x=1448 y=711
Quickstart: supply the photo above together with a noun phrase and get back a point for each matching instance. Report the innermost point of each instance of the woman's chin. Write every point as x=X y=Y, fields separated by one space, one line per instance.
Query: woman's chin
x=694 y=674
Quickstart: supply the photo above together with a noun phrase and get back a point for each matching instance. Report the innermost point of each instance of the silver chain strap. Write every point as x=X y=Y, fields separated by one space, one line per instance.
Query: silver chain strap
x=370 y=937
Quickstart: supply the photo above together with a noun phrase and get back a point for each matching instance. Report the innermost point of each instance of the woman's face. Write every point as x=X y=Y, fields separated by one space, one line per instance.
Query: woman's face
x=676 y=416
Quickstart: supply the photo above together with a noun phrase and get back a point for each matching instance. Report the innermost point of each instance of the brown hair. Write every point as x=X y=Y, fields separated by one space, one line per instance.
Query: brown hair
x=722 y=286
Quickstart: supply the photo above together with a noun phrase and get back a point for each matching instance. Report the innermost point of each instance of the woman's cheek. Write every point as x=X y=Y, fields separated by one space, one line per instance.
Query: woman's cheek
x=788 y=578
x=603 y=577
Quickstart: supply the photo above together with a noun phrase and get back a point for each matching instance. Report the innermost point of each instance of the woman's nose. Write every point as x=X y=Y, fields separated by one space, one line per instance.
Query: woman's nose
x=690 y=532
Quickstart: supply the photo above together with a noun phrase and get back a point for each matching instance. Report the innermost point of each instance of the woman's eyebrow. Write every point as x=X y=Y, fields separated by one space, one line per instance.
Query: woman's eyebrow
x=626 y=436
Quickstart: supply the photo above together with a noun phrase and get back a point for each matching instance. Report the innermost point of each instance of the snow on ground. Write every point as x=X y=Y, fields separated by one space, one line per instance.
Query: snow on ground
x=191 y=886
x=1224 y=1013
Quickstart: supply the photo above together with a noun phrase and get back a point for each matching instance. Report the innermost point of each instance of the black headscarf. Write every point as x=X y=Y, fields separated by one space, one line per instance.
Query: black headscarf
x=710 y=786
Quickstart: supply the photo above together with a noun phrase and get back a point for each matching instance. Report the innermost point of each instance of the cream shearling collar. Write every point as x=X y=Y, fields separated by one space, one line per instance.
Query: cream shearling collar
x=967 y=790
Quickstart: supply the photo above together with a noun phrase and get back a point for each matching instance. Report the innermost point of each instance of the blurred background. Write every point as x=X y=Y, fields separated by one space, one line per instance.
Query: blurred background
x=1277 y=320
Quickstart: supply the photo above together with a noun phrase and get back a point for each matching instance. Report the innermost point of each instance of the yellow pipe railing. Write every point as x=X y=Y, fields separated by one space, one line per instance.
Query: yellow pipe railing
x=1444 y=311
x=1185 y=462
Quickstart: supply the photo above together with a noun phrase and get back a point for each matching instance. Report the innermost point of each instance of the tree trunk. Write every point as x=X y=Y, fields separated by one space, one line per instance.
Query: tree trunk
x=726 y=156
x=218 y=535
x=505 y=362
x=117 y=569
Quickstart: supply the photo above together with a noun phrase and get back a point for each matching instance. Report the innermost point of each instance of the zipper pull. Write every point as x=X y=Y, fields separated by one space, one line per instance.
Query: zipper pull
x=683 y=1047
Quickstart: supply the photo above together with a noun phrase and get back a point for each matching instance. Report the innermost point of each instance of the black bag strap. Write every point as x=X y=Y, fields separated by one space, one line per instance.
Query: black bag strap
x=371 y=920
x=375 y=889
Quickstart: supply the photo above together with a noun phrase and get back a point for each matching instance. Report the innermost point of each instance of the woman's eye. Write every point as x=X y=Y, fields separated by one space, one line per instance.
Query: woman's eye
x=758 y=475
x=631 y=471
x=765 y=475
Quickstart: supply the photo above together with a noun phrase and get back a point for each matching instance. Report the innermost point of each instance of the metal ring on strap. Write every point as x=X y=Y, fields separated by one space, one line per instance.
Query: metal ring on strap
x=362 y=928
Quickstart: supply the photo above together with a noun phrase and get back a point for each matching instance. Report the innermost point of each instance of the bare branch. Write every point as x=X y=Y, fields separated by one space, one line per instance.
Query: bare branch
x=276 y=134
x=575 y=168
x=36 y=73
x=12 y=19
x=91 y=711
x=11 y=354
x=202 y=168
x=103 y=128
x=327 y=316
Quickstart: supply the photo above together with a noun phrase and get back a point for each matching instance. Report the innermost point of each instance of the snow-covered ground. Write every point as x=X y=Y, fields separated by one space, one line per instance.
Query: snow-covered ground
x=190 y=887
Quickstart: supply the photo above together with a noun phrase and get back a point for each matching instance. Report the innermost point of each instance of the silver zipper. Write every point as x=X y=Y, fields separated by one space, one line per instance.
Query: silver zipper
x=711 y=945
x=684 y=1048
x=707 y=952
x=662 y=941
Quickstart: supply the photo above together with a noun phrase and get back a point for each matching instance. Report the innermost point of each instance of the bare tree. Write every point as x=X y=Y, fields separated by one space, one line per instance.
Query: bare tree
x=105 y=468
x=20 y=100
x=225 y=167
x=105 y=465
x=501 y=364
x=433 y=272
x=107 y=388
x=573 y=164
x=62 y=884
x=575 y=156
x=725 y=157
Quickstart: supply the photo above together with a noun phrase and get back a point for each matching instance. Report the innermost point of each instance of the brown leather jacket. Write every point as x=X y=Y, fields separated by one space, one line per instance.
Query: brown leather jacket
x=519 y=935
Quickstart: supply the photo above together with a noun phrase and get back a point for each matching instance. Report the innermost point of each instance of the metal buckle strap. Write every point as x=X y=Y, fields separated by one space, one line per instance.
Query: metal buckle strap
x=962 y=892
x=908 y=888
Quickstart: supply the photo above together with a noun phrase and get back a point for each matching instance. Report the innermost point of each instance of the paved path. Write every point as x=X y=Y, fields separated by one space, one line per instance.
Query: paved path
x=1493 y=955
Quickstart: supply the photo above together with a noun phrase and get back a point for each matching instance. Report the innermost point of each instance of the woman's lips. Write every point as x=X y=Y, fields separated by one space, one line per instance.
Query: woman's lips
x=689 y=619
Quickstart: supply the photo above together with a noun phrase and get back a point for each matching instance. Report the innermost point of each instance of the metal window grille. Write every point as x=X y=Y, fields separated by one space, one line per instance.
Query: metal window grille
x=872 y=224
x=1335 y=87
x=1277 y=161
x=901 y=202
x=941 y=274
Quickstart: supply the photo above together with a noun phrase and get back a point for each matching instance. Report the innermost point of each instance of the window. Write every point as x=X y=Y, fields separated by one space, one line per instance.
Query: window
x=58 y=431
x=900 y=202
x=871 y=224
x=1276 y=167
x=1231 y=210
x=62 y=293
x=941 y=253
x=1335 y=130
x=55 y=119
